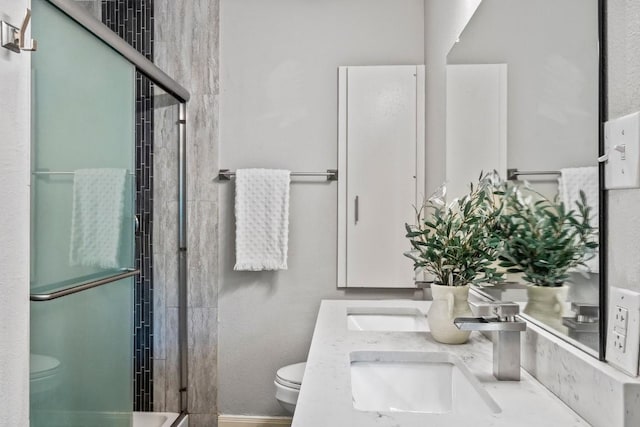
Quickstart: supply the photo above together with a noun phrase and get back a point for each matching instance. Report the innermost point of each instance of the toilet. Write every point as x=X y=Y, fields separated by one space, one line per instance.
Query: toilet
x=44 y=377
x=288 y=381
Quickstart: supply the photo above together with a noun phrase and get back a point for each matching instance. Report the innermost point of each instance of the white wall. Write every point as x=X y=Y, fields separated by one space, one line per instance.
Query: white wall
x=476 y=124
x=623 y=56
x=266 y=319
x=444 y=20
x=14 y=226
x=278 y=108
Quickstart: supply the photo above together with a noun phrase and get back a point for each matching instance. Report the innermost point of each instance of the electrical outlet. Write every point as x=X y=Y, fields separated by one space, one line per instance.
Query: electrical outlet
x=623 y=338
x=619 y=342
x=620 y=320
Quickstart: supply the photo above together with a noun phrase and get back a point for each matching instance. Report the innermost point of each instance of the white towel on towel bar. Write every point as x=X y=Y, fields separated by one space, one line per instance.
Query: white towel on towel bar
x=571 y=181
x=97 y=217
x=262 y=219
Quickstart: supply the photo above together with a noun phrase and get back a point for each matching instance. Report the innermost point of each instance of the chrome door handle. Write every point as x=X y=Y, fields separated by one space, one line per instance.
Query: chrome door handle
x=357 y=209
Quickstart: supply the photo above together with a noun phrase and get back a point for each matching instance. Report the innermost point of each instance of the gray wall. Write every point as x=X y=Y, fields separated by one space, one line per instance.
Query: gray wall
x=165 y=254
x=92 y=6
x=624 y=98
x=15 y=179
x=186 y=48
x=279 y=62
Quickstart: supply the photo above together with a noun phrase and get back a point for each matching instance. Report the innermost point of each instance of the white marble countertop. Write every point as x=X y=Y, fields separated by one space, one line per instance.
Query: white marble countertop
x=325 y=397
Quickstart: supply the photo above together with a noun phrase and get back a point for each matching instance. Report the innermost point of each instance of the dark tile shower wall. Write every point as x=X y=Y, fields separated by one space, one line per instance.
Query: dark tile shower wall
x=133 y=21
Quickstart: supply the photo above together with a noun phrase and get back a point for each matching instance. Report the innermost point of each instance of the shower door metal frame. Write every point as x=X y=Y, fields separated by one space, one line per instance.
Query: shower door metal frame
x=169 y=85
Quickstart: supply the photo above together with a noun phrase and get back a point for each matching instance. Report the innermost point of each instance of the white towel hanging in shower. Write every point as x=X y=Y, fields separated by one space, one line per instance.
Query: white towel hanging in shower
x=262 y=219
x=97 y=217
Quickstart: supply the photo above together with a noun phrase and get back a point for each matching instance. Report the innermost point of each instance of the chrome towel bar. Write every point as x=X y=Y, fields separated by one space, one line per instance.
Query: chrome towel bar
x=331 y=174
x=513 y=174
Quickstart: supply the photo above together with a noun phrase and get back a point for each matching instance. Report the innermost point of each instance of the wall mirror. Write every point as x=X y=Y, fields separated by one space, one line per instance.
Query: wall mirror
x=524 y=97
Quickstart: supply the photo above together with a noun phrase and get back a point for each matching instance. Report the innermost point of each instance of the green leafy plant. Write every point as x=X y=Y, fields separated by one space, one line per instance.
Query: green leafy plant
x=457 y=243
x=542 y=238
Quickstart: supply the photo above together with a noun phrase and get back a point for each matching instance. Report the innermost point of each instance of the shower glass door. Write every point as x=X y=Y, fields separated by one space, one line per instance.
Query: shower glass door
x=82 y=225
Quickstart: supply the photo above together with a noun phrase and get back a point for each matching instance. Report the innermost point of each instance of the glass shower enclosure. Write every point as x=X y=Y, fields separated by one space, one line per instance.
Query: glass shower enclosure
x=83 y=222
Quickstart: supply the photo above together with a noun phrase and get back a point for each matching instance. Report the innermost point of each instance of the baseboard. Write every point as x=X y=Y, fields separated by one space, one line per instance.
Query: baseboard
x=248 y=421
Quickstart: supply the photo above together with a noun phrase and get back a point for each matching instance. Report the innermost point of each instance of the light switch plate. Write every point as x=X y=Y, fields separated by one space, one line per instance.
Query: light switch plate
x=623 y=335
x=622 y=144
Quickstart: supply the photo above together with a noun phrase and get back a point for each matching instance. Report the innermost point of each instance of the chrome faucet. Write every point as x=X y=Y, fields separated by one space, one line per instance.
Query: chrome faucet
x=500 y=318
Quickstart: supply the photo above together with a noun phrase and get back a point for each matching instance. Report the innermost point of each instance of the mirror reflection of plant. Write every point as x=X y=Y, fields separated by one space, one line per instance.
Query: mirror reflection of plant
x=542 y=238
x=457 y=243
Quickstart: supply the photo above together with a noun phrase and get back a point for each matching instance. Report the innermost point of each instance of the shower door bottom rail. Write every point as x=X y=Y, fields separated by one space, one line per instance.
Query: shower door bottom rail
x=84 y=286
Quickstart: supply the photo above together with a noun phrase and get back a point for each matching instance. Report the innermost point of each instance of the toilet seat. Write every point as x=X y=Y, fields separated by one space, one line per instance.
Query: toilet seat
x=42 y=366
x=44 y=377
x=288 y=380
x=291 y=376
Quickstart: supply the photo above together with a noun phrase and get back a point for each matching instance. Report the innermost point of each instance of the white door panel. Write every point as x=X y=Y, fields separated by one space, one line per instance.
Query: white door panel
x=379 y=135
x=476 y=124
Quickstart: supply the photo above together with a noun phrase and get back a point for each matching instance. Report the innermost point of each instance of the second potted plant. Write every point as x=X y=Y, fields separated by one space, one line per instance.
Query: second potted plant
x=544 y=240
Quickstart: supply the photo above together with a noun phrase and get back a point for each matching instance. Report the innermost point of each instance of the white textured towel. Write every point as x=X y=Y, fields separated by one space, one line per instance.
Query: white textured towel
x=262 y=219
x=571 y=181
x=97 y=217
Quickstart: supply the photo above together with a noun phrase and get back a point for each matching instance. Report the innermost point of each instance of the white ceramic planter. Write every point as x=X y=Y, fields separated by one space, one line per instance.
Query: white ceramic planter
x=448 y=303
x=546 y=304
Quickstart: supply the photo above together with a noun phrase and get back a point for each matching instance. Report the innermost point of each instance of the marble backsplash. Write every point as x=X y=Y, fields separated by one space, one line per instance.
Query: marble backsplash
x=599 y=393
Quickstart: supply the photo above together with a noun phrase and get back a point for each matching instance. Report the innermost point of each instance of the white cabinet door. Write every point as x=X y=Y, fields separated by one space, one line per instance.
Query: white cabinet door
x=381 y=159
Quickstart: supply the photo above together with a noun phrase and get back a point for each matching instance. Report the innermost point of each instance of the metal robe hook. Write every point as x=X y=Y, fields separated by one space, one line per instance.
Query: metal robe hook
x=13 y=38
x=23 y=29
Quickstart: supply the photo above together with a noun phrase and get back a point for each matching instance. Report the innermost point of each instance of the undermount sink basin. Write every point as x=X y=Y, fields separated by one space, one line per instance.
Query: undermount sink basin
x=422 y=382
x=386 y=319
